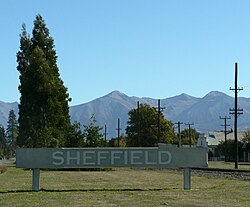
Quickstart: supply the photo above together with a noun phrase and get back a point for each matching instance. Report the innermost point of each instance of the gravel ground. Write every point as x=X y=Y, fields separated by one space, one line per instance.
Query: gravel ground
x=221 y=174
x=5 y=161
x=242 y=175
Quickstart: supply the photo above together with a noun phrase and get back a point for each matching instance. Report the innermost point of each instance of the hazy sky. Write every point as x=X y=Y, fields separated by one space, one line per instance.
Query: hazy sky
x=144 y=48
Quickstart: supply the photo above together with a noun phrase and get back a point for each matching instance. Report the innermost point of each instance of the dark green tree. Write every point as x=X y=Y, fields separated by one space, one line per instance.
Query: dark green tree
x=12 y=131
x=92 y=134
x=228 y=150
x=3 y=142
x=43 y=110
x=142 y=127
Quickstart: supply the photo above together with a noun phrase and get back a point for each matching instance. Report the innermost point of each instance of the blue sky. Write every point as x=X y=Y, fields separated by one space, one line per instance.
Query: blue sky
x=144 y=48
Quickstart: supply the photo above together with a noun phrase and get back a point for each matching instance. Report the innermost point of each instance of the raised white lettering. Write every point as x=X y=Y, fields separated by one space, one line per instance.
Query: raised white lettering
x=162 y=155
x=76 y=157
x=114 y=157
x=58 y=156
x=147 y=162
x=125 y=157
x=86 y=158
x=134 y=157
x=100 y=157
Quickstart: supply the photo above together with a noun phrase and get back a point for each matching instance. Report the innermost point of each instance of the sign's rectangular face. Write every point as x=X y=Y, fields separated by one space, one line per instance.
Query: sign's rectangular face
x=165 y=156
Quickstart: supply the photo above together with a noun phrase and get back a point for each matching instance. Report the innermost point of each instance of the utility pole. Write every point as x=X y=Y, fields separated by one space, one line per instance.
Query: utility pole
x=225 y=131
x=179 y=131
x=189 y=133
x=236 y=112
x=160 y=109
x=118 y=129
x=225 y=125
x=174 y=127
x=105 y=135
x=138 y=124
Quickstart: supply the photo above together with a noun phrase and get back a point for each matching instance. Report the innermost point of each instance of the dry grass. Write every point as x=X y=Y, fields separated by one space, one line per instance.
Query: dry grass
x=120 y=187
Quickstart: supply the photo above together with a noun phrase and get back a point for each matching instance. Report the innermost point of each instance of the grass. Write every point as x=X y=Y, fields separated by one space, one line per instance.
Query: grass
x=120 y=187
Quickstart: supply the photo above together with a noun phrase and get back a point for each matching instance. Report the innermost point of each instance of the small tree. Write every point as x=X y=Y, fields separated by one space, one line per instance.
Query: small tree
x=246 y=138
x=3 y=142
x=246 y=141
x=92 y=134
x=185 y=136
x=76 y=137
x=122 y=141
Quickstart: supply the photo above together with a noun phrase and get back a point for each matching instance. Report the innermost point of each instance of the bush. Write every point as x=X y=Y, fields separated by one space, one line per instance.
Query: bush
x=2 y=169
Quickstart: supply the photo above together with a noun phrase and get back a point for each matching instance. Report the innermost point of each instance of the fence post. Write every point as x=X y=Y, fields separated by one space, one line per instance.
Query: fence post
x=36 y=179
x=187 y=178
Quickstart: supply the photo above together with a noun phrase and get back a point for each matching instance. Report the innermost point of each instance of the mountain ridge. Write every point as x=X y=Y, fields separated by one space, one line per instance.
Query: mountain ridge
x=204 y=112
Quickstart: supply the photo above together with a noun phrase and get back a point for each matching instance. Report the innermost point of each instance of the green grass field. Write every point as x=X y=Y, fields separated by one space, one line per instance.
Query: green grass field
x=121 y=187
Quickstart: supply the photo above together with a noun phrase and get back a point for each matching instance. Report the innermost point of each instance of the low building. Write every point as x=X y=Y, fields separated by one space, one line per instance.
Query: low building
x=215 y=138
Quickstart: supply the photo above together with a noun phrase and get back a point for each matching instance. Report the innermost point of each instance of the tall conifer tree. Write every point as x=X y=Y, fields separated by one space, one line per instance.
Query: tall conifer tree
x=43 y=110
x=12 y=132
x=3 y=143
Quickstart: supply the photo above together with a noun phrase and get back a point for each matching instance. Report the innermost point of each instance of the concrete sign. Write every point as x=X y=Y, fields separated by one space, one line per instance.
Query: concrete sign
x=164 y=156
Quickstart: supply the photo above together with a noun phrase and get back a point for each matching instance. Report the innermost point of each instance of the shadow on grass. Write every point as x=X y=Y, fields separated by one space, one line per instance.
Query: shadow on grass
x=86 y=190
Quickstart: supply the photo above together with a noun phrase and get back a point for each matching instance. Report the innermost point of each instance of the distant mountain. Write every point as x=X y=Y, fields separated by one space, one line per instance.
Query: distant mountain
x=176 y=105
x=107 y=110
x=203 y=112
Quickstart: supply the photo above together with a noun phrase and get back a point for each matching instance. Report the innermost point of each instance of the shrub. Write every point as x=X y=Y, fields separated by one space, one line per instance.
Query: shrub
x=2 y=169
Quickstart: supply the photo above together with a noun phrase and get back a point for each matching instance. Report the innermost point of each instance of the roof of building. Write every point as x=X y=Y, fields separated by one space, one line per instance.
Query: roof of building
x=214 y=138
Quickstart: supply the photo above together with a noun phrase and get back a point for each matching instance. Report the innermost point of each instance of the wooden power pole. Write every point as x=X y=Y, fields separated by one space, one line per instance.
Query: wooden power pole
x=179 y=131
x=225 y=126
x=189 y=133
x=118 y=131
x=236 y=112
